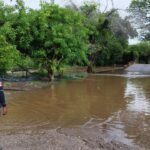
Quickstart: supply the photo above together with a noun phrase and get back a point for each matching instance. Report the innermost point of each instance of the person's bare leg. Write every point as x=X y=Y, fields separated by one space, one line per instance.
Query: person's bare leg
x=4 y=110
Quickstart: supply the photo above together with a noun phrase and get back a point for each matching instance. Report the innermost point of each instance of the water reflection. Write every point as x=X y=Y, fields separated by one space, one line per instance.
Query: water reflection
x=136 y=97
x=66 y=103
x=117 y=104
x=137 y=114
x=134 y=119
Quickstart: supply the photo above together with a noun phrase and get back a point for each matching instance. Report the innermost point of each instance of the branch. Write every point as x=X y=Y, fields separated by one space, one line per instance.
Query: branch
x=73 y=4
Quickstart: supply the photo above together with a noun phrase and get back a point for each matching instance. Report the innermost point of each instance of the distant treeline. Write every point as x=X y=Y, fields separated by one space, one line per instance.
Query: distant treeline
x=48 y=38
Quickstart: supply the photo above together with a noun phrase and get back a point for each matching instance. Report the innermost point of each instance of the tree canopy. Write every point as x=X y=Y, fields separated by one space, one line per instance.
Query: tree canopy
x=52 y=36
x=140 y=16
x=59 y=37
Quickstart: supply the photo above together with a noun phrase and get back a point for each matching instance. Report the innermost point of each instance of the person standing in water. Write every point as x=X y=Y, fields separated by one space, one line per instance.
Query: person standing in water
x=2 y=99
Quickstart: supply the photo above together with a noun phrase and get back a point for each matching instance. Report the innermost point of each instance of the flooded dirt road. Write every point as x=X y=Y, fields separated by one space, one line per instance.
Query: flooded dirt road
x=105 y=111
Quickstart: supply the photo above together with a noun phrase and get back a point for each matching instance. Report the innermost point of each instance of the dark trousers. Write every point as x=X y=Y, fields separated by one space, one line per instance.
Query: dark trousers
x=2 y=99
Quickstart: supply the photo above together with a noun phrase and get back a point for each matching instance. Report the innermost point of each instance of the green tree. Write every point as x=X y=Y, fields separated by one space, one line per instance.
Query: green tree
x=139 y=52
x=108 y=34
x=8 y=56
x=21 y=26
x=8 y=53
x=140 y=15
x=131 y=54
x=144 y=52
x=59 y=37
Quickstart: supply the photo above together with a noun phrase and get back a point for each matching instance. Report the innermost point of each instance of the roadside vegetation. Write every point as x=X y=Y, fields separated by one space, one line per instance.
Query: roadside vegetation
x=52 y=37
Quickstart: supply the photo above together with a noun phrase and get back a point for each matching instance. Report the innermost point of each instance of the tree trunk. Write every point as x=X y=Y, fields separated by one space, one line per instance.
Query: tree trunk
x=90 y=69
x=50 y=74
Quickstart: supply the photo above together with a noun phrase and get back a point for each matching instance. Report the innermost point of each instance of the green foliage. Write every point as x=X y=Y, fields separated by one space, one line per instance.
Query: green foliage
x=24 y=63
x=59 y=37
x=139 y=53
x=21 y=25
x=144 y=52
x=131 y=54
x=53 y=36
x=108 y=35
x=8 y=56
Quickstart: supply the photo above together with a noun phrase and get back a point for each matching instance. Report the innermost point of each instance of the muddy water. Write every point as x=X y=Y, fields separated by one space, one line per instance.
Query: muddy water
x=117 y=104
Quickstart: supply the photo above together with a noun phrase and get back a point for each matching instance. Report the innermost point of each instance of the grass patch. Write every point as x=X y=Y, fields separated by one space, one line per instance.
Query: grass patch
x=8 y=84
x=74 y=76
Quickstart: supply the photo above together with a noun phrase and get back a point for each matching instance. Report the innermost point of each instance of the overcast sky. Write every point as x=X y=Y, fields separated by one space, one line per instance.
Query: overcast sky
x=119 y=4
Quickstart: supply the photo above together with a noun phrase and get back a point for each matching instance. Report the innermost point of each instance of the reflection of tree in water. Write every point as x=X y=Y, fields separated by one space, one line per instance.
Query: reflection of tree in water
x=105 y=94
x=136 y=117
x=119 y=108
x=93 y=97
x=132 y=122
x=137 y=98
x=68 y=103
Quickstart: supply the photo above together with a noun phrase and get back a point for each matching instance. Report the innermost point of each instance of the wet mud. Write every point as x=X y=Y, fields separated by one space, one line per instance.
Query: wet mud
x=61 y=139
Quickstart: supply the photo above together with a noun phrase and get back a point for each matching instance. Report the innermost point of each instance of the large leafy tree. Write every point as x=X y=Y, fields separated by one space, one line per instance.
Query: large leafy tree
x=21 y=26
x=59 y=37
x=15 y=28
x=121 y=27
x=9 y=55
x=108 y=34
x=140 y=15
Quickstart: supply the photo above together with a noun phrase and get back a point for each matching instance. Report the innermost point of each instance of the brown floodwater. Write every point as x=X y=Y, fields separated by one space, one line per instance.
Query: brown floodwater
x=118 y=104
